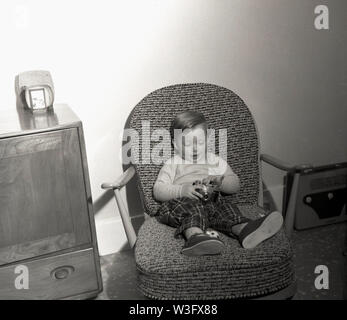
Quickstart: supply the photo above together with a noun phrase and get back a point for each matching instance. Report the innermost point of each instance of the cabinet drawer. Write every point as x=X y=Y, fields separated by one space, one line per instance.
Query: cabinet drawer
x=50 y=278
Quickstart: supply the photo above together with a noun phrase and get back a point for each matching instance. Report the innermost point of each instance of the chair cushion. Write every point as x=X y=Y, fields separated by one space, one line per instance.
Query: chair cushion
x=165 y=273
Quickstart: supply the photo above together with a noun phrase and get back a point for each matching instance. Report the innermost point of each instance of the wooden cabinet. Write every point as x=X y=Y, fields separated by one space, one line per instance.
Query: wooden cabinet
x=46 y=213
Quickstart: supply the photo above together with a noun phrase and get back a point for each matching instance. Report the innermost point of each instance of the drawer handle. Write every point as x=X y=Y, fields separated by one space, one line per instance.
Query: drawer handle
x=63 y=272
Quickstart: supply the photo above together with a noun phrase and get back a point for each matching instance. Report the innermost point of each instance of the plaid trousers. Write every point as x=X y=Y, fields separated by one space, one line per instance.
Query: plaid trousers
x=185 y=213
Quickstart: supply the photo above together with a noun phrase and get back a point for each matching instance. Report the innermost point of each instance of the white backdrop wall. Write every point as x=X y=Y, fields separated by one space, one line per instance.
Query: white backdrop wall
x=105 y=56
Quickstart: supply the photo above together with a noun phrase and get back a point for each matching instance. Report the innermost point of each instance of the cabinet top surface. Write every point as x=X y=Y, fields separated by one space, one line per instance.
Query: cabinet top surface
x=18 y=121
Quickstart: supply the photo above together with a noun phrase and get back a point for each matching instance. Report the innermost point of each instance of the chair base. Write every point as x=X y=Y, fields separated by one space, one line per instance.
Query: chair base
x=286 y=293
x=283 y=294
x=237 y=273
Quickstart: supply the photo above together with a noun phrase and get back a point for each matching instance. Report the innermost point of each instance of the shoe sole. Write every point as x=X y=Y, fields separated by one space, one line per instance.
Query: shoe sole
x=208 y=247
x=269 y=227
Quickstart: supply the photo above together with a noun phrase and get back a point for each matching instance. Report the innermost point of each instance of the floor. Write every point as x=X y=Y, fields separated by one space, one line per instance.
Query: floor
x=319 y=246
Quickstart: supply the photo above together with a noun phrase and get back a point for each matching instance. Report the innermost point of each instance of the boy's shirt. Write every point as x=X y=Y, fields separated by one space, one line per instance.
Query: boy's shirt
x=176 y=172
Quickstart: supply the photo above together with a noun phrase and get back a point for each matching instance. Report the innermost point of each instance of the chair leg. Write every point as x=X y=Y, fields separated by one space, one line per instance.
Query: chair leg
x=290 y=213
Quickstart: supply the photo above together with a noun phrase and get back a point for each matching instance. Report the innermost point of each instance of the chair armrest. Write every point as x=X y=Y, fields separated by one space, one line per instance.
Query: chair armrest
x=121 y=181
x=282 y=165
x=296 y=169
x=124 y=213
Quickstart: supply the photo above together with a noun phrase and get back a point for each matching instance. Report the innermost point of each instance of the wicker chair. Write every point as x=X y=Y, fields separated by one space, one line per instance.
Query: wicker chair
x=163 y=272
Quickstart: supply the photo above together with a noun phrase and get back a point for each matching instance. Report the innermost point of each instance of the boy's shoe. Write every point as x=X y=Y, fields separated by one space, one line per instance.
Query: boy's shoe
x=212 y=233
x=202 y=244
x=256 y=231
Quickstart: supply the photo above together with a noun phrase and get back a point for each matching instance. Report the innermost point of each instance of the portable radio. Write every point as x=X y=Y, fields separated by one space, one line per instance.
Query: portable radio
x=321 y=197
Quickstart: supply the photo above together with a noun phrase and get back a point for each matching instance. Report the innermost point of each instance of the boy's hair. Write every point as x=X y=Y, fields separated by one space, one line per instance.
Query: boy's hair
x=187 y=120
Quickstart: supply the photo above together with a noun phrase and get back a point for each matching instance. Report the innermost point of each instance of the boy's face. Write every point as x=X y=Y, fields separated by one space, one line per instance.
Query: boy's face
x=191 y=144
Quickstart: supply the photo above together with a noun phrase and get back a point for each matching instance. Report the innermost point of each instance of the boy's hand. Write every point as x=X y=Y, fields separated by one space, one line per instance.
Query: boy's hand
x=189 y=191
x=214 y=180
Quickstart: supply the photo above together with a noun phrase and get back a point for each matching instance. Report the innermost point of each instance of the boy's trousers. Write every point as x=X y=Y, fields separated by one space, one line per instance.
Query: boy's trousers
x=185 y=213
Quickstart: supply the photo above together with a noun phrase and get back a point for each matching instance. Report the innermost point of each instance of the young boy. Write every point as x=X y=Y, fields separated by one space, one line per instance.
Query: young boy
x=182 y=205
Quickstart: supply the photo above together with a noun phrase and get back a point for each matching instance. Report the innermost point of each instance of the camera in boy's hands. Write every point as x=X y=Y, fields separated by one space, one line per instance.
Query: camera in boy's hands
x=209 y=190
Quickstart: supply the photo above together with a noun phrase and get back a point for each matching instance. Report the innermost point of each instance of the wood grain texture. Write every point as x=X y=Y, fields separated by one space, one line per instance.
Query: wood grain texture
x=43 y=284
x=18 y=121
x=35 y=248
x=88 y=193
x=42 y=193
x=46 y=207
x=12 y=147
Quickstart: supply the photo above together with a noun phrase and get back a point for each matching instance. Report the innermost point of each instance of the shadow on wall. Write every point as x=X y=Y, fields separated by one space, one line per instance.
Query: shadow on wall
x=133 y=198
x=99 y=203
x=268 y=200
